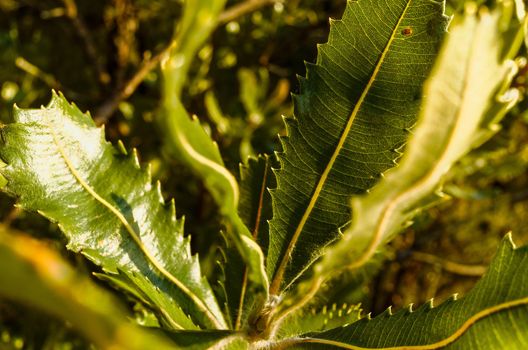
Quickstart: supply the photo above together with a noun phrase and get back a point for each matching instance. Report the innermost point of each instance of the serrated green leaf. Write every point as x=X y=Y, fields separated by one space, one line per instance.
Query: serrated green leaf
x=230 y=271
x=351 y=286
x=255 y=210
x=189 y=142
x=34 y=274
x=460 y=112
x=319 y=320
x=209 y=340
x=494 y=315
x=353 y=113
x=60 y=165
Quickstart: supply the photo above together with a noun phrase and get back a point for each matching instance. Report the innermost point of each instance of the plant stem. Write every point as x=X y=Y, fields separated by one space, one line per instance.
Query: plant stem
x=86 y=37
x=242 y=9
x=105 y=111
x=450 y=266
x=308 y=296
x=35 y=71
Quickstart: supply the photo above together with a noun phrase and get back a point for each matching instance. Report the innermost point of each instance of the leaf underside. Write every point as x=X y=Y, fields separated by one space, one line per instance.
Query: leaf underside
x=465 y=100
x=352 y=114
x=189 y=142
x=460 y=112
x=254 y=209
x=60 y=165
x=494 y=315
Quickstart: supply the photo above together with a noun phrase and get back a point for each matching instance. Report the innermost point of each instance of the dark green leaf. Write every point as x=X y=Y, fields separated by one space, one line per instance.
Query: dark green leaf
x=465 y=99
x=319 y=320
x=255 y=201
x=353 y=113
x=494 y=315
x=255 y=210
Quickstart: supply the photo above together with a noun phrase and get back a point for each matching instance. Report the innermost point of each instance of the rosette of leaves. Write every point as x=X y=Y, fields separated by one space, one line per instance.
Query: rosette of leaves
x=352 y=117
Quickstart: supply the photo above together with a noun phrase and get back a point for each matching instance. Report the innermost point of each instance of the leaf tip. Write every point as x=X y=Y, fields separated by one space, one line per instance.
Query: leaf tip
x=121 y=148
x=508 y=239
x=135 y=158
x=159 y=192
x=56 y=95
x=410 y=308
x=430 y=303
x=149 y=172
x=387 y=312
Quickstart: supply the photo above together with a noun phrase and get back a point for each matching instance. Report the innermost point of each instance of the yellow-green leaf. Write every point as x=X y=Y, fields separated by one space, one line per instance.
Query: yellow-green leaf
x=59 y=164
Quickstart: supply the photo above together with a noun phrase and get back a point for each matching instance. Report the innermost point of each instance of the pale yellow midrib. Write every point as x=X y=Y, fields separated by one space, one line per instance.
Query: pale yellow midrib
x=277 y=280
x=437 y=345
x=429 y=177
x=197 y=301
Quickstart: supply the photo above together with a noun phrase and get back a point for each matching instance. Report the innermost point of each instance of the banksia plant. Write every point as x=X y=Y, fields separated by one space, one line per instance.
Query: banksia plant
x=397 y=96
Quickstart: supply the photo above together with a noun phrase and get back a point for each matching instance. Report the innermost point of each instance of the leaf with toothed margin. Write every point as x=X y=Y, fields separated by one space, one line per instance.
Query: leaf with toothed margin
x=319 y=320
x=254 y=208
x=352 y=115
x=187 y=140
x=466 y=96
x=35 y=275
x=223 y=188
x=59 y=164
x=493 y=315
x=140 y=287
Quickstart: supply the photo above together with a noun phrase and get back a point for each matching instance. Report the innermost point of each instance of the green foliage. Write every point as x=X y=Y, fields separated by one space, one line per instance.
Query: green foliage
x=59 y=164
x=319 y=320
x=255 y=211
x=56 y=288
x=492 y=316
x=189 y=141
x=392 y=104
x=460 y=90
x=351 y=116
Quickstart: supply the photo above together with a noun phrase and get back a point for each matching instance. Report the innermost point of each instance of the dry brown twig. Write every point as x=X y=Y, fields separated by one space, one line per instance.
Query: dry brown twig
x=126 y=24
x=47 y=78
x=83 y=32
x=242 y=9
x=105 y=111
x=35 y=71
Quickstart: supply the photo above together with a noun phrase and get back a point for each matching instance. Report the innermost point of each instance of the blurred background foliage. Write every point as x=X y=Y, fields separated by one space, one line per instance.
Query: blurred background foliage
x=104 y=56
